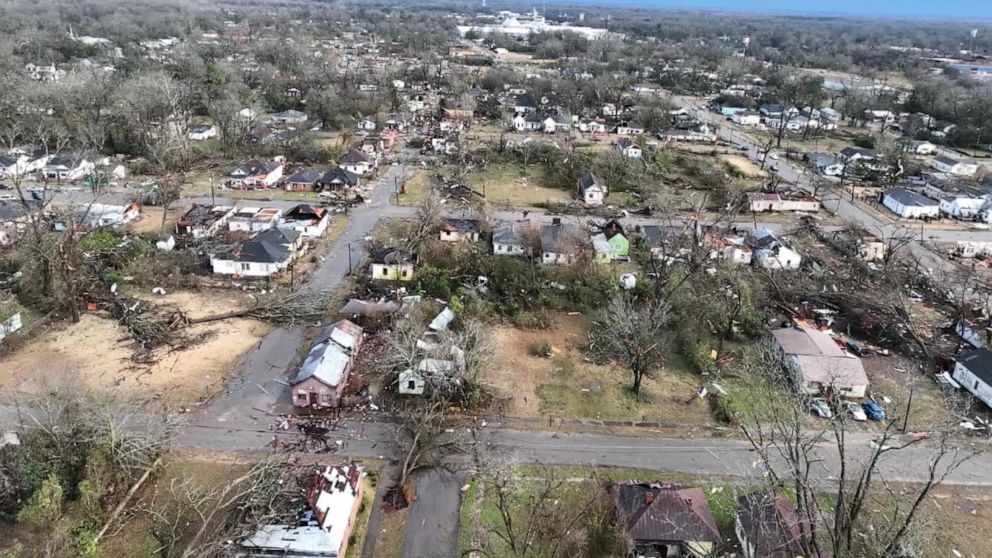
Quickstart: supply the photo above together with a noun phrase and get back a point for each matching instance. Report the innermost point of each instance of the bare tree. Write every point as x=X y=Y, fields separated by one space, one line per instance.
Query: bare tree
x=813 y=462
x=634 y=332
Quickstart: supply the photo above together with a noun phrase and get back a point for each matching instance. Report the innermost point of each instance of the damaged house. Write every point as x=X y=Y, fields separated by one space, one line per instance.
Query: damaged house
x=664 y=521
x=321 y=380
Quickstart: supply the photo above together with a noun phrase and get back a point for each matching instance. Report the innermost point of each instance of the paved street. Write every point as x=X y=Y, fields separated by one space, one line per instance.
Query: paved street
x=432 y=527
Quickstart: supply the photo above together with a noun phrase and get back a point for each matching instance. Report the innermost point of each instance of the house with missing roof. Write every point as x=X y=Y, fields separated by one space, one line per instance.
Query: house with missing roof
x=310 y=221
x=973 y=370
x=202 y=221
x=392 y=265
x=263 y=255
x=324 y=526
x=666 y=521
x=817 y=363
x=322 y=377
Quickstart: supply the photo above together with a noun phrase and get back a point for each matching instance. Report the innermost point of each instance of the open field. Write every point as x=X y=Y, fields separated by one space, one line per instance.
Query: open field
x=567 y=386
x=99 y=352
x=744 y=165
x=515 y=185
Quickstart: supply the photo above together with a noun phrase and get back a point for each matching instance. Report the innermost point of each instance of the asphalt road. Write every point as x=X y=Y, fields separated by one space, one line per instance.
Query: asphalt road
x=432 y=526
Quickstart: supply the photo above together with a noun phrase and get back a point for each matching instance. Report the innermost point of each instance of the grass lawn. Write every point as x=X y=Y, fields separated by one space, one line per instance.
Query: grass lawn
x=389 y=543
x=516 y=185
x=357 y=540
x=567 y=386
x=416 y=186
x=746 y=166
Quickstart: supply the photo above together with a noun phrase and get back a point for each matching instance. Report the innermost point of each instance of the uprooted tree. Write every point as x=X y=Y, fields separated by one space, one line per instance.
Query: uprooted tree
x=427 y=435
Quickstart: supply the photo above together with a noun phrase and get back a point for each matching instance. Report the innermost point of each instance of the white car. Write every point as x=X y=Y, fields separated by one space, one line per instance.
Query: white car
x=773 y=156
x=7 y=197
x=855 y=411
x=819 y=407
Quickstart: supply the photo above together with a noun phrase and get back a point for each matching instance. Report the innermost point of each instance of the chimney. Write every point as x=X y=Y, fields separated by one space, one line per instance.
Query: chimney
x=649 y=497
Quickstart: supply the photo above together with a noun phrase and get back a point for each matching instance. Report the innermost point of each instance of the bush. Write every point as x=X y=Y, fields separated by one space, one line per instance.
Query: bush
x=45 y=506
x=541 y=349
x=532 y=320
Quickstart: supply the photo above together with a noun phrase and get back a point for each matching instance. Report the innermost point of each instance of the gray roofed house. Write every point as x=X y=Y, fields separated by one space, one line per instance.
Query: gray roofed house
x=559 y=243
x=908 y=204
x=324 y=374
x=852 y=152
x=973 y=370
x=302 y=180
x=262 y=255
x=459 y=229
x=767 y=526
x=592 y=189
x=818 y=362
x=354 y=156
x=508 y=238
x=338 y=178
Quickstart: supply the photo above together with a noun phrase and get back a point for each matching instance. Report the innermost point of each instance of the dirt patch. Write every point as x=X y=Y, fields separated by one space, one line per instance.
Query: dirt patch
x=744 y=165
x=150 y=220
x=99 y=352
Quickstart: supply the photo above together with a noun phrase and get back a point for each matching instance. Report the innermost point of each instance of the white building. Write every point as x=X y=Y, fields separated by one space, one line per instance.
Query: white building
x=973 y=370
x=954 y=166
x=818 y=363
x=910 y=205
x=508 y=239
x=746 y=118
x=629 y=148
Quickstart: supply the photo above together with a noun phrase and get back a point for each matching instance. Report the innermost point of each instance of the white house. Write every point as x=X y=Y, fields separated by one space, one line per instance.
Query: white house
x=288 y=117
x=508 y=238
x=632 y=128
x=263 y=255
x=201 y=132
x=629 y=148
x=772 y=253
x=962 y=206
x=818 y=363
x=529 y=122
x=256 y=173
x=356 y=162
x=910 y=205
x=924 y=148
x=973 y=370
x=253 y=219
x=307 y=220
x=592 y=189
x=68 y=169
x=592 y=126
x=746 y=118
x=954 y=166
x=104 y=215
x=457 y=230
x=559 y=244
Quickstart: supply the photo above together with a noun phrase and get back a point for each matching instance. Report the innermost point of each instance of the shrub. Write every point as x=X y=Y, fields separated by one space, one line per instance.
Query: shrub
x=45 y=506
x=541 y=349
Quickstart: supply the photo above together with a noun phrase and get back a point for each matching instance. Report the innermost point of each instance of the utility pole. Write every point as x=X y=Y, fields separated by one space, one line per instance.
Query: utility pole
x=212 y=201
x=349 y=258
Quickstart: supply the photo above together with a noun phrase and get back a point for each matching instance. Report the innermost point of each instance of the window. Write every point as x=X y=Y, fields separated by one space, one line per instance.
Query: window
x=411 y=384
x=976 y=385
x=301 y=396
x=405 y=273
x=385 y=272
x=245 y=266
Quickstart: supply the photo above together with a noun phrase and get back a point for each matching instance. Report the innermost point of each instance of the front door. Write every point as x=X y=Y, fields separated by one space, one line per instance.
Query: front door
x=313 y=399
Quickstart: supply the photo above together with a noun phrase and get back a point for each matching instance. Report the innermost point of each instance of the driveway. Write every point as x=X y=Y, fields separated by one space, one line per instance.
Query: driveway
x=432 y=526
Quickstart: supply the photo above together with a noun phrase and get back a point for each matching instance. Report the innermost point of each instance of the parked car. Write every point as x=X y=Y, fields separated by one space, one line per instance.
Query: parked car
x=7 y=197
x=743 y=148
x=856 y=412
x=874 y=411
x=820 y=408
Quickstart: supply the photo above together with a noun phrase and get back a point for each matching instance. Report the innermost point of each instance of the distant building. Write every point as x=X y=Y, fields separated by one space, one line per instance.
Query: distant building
x=817 y=362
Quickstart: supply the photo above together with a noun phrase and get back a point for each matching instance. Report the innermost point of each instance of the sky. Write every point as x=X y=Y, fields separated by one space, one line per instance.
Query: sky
x=978 y=10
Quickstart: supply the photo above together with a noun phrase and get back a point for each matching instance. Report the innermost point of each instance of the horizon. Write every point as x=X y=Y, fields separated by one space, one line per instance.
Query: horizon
x=948 y=10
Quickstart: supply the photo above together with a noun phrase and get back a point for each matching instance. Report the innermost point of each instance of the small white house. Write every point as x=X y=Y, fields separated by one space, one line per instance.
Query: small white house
x=508 y=239
x=954 y=166
x=265 y=254
x=356 y=162
x=629 y=148
x=746 y=118
x=592 y=189
x=973 y=370
x=201 y=132
x=68 y=169
x=910 y=205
